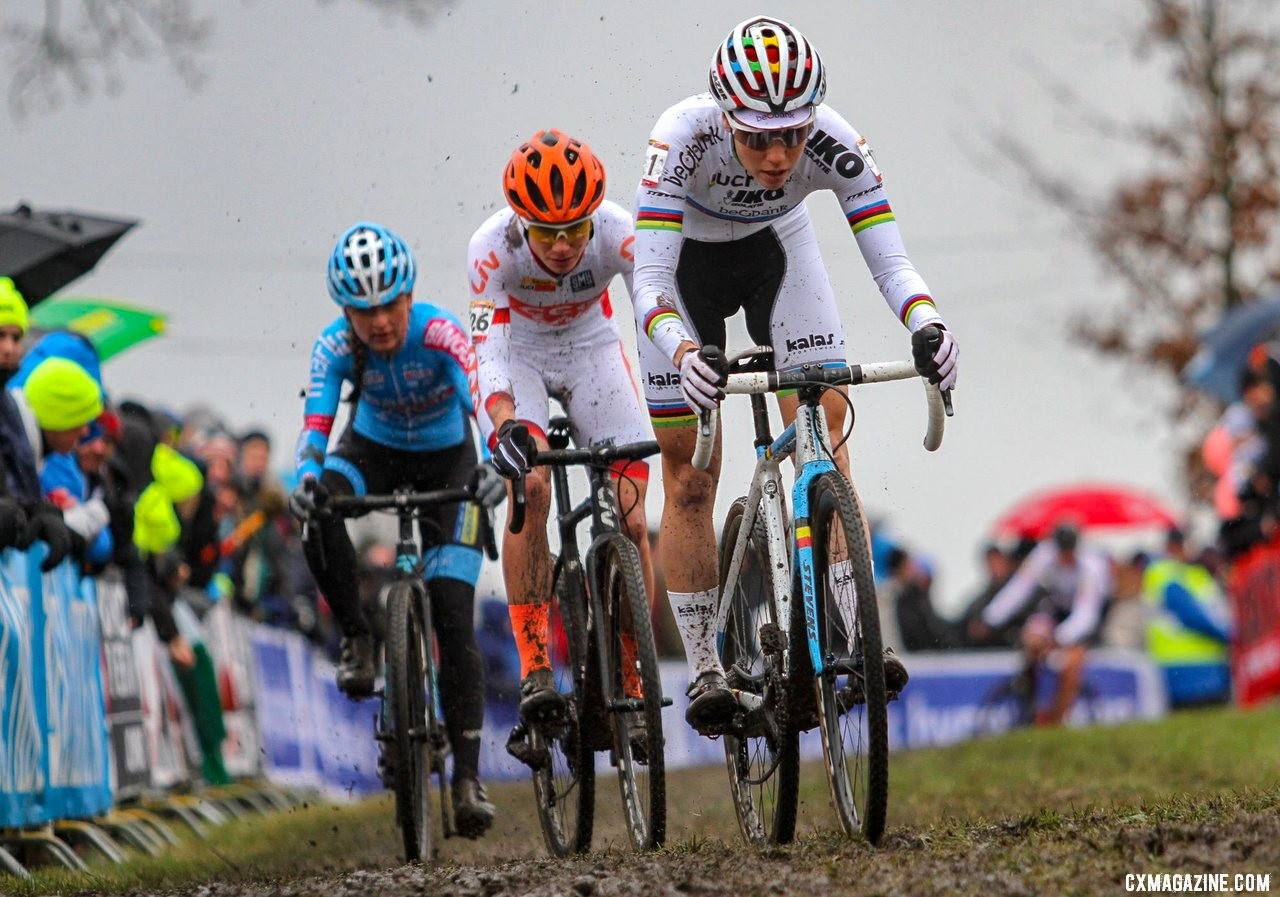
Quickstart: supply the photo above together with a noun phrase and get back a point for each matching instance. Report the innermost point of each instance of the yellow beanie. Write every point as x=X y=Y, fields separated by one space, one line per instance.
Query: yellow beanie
x=155 y=523
x=177 y=475
x=13 y=308
x=63 y=395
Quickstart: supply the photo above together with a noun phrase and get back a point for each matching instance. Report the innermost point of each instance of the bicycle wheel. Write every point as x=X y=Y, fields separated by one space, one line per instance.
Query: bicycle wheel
x=409 y=694
x=564 y=787
x=764 y=767
x=632 y=665
x=852 y=703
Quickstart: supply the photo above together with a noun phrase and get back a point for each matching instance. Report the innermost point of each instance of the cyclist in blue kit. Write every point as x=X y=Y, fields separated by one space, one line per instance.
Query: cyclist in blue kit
x=412 y=372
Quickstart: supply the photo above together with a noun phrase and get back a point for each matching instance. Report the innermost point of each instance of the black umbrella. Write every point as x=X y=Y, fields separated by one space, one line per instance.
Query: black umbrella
x=45 y=251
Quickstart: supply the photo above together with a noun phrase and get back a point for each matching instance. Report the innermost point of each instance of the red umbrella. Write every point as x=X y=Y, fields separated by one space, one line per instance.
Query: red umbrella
x=1089 y=506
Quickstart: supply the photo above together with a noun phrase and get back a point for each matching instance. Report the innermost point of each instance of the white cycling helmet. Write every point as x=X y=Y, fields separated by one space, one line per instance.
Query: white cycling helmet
x=767 y=76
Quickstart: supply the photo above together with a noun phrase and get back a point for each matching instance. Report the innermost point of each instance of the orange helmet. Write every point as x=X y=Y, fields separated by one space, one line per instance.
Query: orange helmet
x=553 y=179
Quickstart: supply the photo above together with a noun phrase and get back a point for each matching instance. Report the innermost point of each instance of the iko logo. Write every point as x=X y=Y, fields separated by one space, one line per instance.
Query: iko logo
x=812 y=341
x=583 y=280
x=827 y=152
x=671 y=379
x=753 y=197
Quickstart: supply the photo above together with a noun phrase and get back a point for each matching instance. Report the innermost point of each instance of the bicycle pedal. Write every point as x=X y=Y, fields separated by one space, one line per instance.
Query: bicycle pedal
x=534 y=758
x=849 y=697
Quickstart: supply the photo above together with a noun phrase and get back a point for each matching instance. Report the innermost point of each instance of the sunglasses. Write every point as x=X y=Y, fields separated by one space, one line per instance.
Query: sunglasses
x=760 y=140
x=574 y=231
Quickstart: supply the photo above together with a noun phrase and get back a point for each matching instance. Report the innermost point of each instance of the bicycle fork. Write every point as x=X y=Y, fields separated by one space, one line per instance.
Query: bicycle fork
x=766 y=493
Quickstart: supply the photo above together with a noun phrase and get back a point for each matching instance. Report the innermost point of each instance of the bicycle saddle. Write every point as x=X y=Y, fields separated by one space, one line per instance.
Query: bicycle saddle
x=754 y=360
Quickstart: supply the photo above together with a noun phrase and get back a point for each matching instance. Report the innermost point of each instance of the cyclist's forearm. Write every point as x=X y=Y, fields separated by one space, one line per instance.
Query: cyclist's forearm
x=501 y=407
x=657 y=249
x=901 y=285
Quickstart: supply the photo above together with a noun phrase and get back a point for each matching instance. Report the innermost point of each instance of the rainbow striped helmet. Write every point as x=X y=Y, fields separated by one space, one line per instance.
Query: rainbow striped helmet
x=766 y=75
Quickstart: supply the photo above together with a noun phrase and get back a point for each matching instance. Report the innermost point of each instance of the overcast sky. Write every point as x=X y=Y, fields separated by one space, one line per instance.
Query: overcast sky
x=315 y=115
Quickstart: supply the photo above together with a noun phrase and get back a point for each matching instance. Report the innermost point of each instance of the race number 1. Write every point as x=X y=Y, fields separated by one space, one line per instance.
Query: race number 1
x=869 y=157
x=654 y=161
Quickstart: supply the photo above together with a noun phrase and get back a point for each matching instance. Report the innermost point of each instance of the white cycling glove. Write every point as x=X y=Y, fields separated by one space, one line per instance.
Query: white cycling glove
x=936 y=355
x=700 y=382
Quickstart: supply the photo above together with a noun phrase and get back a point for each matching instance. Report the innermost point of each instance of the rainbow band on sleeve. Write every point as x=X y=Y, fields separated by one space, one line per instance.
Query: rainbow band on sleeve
x=656 y=317
x=650 y=218
x=870 y=216
x=914 y=302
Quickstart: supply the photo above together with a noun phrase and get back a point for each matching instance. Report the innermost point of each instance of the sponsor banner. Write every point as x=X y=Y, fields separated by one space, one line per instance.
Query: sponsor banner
x=1254 y=588
x=22 y=774
x=163 y=713
x=67 y=670
x=956 y=696
x=122 y=690
x=951 y=697
x=227 y=638
x=53 y=747
x=346 y=750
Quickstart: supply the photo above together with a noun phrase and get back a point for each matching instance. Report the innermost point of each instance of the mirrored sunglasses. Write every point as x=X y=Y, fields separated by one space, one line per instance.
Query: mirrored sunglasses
x=760 y=140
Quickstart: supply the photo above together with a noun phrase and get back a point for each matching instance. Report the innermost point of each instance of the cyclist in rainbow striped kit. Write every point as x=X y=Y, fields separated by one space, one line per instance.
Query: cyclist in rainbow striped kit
x=721 y=225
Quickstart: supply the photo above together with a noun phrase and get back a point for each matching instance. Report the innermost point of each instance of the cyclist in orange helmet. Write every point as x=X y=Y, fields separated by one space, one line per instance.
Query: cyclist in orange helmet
x=542 y=322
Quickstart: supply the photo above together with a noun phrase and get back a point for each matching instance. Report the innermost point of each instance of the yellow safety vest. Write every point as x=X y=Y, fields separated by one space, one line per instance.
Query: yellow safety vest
x=1169 y=642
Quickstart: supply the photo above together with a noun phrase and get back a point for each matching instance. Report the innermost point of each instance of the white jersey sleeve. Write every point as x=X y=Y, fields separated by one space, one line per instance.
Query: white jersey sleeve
x=659 y=210
x=1018 y=590
x=490 y=310
x=842 y=157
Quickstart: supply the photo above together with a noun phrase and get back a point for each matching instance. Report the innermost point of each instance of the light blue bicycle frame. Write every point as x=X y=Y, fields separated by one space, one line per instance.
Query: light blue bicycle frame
x=807 y=439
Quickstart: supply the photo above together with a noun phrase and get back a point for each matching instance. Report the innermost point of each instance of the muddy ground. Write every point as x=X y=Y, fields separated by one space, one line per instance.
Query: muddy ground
x=1046 y=852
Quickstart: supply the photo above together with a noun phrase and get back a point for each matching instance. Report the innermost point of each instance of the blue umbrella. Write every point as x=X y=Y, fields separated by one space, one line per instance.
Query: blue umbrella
x=1224 y=349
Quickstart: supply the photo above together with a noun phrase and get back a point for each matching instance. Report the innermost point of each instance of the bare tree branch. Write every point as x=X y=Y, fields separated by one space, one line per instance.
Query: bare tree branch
x=82 y=45
x=1196 y=232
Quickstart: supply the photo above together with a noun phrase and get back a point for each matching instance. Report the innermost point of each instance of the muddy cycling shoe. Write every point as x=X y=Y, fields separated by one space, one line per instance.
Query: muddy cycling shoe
x=540 y=701
x=520 y=746
x=712 y=704
x=472 y=812
x=355 y=667
x=638 y=735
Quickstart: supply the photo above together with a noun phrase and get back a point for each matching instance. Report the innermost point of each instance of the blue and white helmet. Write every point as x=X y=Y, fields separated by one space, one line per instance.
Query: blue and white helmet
x=369 y=267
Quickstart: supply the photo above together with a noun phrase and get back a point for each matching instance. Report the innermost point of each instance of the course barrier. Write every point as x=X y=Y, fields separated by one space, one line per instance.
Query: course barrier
x=53 y=753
